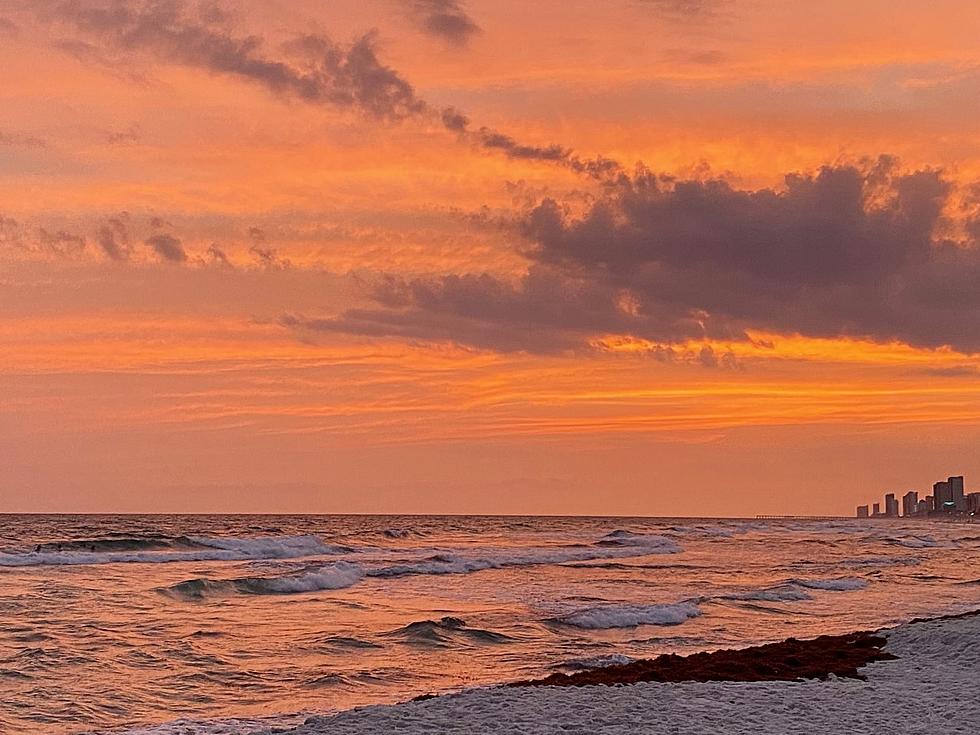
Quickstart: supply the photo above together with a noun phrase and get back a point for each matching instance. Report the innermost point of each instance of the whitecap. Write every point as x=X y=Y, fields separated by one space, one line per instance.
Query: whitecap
x=629 y=616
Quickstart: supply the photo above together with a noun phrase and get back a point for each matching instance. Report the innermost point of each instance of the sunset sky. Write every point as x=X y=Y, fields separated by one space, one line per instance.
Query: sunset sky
x=658 y=257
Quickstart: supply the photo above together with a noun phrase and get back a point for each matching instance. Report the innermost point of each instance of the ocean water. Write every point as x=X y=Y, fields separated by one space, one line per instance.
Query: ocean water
x=203 y=625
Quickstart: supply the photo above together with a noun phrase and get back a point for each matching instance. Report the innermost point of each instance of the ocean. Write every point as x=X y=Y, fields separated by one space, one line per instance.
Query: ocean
x=223 y=624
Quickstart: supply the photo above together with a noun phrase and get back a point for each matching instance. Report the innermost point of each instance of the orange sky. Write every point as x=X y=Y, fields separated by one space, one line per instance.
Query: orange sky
x=228 y=261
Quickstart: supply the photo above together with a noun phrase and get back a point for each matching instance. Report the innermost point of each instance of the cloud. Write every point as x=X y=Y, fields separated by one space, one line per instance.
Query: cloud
x=113 y=238
x=311 y=67
x=60 y=242
x=167 y=247
x=847 y=251
x=266 y=256
x=444 y=19
x=19 y=140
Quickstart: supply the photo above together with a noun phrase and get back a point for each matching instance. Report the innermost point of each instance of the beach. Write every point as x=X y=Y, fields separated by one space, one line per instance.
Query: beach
x=233 y=625
x=930 y=686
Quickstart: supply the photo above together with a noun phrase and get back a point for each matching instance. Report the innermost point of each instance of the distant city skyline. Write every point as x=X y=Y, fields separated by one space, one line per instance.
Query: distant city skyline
x=948 y=498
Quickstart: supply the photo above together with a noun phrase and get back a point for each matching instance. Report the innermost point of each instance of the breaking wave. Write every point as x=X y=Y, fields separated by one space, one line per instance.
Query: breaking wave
x=334 y=577
x=630 y=616
x=163 y=550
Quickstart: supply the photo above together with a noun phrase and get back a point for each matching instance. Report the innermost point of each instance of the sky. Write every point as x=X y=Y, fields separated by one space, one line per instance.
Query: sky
x=638 y=257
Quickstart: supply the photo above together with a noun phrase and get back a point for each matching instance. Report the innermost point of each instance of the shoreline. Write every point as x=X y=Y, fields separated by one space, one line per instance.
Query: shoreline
x=915 y=677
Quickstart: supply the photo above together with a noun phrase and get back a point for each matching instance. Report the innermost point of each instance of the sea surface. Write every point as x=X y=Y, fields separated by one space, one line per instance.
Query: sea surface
x=207 y=625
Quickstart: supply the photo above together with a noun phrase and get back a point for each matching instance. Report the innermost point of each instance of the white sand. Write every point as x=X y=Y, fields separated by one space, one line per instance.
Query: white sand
x=934 y=687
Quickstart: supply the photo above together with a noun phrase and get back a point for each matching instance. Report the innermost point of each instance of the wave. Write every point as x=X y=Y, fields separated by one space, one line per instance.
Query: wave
x=624 y=538
x=921 y=542
x=97 y=545
x=445 y=632
x=881 y=561
x=336 y=576
x=457 y=563
x=347 y=643
x=784 y=593
x=840 y=584
x=630 y=616
x=162 y=550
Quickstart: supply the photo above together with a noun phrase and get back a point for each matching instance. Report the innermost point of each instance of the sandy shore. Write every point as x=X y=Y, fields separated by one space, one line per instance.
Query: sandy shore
x=927 y=681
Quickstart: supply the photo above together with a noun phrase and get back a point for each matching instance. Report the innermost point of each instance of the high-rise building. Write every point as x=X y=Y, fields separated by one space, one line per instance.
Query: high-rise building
x=973 y=503
x=956 y=492
x=924 y=506
x=910 y=503
x=891 y=505
x=942 y=493
x=876 y=510
x=862 y=511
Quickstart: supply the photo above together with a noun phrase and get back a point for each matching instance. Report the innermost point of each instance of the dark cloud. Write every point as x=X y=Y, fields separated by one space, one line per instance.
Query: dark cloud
x=216 y=256
x=60 y=242
x=113 y=238
x=444 y=19
x=492 y=139
x=167 y=247
x=848 y=251
x=311 y=67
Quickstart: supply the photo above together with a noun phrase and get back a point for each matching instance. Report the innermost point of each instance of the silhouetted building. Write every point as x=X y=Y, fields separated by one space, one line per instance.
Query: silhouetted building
x=943 y=495
x=948 y=498
x=973 y=503
x=956 y=493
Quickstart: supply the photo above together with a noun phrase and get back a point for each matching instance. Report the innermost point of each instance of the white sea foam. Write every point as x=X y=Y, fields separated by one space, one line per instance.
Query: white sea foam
x=597 y=662
x=334 y=577
x=201 y=548
x=629 y=616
